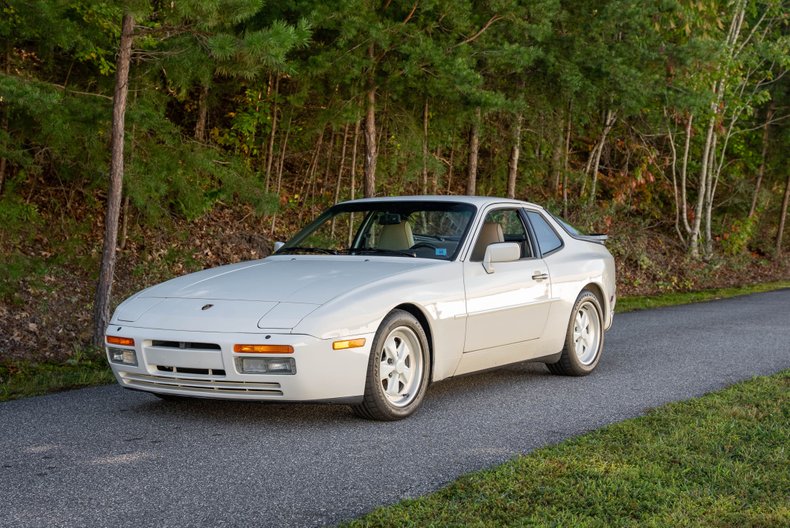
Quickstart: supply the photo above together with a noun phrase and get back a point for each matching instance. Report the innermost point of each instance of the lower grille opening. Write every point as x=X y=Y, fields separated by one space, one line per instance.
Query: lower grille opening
x=185 y=345
x=185 y=370
x=203 y=386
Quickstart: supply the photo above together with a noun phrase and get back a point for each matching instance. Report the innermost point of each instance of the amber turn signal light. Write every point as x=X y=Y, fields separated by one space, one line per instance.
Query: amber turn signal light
x=123 y=341
x=348 y=343
x=263 y=349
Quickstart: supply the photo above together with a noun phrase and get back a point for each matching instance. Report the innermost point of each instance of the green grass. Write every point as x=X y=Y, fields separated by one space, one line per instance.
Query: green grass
x=644 y=302
x=19 y=379
x=720 y=460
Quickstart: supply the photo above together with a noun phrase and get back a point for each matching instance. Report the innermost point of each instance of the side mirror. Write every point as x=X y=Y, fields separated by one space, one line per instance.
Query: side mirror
x=500 y=252
x=277 y=246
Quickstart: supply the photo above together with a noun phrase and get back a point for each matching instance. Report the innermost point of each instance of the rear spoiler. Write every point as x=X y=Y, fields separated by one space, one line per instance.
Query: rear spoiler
x=597 y=238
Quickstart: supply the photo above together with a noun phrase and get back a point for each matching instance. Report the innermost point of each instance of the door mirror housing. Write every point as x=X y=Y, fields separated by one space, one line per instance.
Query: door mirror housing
x=500 y=252
x=277 y=246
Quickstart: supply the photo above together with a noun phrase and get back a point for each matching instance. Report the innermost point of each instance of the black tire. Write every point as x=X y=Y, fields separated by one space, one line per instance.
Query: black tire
x=398 y=327
x=581 y=363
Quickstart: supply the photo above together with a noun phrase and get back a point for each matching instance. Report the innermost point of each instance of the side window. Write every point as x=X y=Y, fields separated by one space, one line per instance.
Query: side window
x=502 y=225
x=548 y=240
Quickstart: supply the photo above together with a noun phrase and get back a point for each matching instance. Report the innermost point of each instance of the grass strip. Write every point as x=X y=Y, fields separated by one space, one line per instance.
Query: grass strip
x=719 y=460
x=645 y=302
x=19 y=379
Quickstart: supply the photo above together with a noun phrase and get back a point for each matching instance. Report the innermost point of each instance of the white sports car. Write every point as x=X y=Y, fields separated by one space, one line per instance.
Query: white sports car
x=373 y=301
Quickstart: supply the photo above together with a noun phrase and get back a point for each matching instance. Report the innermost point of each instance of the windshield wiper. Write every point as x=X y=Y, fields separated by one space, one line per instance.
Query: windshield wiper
x=306 y=249
x=426 y=235
x=382 y=251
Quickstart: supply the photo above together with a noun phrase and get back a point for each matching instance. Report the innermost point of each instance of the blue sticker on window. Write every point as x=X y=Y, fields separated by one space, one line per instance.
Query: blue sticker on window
x=441 y=252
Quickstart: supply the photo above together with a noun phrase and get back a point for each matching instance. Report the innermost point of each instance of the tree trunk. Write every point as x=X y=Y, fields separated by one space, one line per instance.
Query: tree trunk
x=371 y=147
x=340 y=172
x=342 y=163
x=611 y=118
x=270 y=150
x=714 y=169
x=474 y=145
x=450 y=168
x=101 y=316
x=202 y=117
x=556 y=157
x=679 y=188
x=283 y=148
x=435 y=173
x=703 y=180
x=425 y=148
x=708 y=246
x=329 y=152
x=683 y=174
x=566 y=155
x=673 y=165
x=311 y=171
x=761 y=171
x=709 y=151
x=515 y=151
x=353 y=178
x=124 y=223
x=354 y=160
x=782 y=218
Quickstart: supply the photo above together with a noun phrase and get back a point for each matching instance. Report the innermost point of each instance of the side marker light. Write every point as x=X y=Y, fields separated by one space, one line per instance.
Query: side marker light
x=348 y=343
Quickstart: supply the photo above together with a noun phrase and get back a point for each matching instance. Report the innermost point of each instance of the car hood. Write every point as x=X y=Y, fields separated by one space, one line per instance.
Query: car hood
x=299 y=279
x=277 y=292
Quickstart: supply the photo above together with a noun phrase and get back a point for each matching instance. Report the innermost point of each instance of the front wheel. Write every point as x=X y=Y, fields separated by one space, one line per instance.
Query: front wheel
x=397 y=375
x=584 y=338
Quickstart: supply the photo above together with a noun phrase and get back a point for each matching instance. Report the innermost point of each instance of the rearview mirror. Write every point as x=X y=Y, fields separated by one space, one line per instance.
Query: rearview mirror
x=500 y=252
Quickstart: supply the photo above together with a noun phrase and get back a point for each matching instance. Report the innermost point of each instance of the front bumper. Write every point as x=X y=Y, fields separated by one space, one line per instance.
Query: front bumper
x=203 y=365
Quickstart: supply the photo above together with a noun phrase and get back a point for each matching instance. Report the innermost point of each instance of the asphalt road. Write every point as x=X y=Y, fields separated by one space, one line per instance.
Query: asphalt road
x=110 y=457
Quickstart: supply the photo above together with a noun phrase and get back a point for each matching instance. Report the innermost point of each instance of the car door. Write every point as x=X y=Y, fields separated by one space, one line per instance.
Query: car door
x=510 y=305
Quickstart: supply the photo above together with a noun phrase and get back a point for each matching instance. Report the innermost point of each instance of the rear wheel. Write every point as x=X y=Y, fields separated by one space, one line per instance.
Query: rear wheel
x=584 y=338
x=398 y=370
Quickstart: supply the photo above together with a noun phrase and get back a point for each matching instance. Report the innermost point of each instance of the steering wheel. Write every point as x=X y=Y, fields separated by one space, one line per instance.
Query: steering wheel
x=423 y=244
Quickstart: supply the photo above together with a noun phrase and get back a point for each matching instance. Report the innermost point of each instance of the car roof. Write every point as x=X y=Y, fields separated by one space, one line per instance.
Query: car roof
x=479 y=201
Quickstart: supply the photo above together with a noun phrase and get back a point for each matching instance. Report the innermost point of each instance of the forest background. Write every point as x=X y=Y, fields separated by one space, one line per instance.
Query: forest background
x=663 y=124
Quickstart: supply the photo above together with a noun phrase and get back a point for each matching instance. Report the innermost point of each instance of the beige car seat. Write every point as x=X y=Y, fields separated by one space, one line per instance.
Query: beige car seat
x=397 y=237
x=491 y=233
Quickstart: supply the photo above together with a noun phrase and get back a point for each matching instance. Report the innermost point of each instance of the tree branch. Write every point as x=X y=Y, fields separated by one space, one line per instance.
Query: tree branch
x=76 y=92
x=411 y=14
x=751 y=33
x=486 y=26
x=770 y=122
x=62 y=88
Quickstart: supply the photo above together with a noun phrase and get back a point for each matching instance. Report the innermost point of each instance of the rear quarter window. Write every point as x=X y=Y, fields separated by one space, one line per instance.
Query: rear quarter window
x=548 y=239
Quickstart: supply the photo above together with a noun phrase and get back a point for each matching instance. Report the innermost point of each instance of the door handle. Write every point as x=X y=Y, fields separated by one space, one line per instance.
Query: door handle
x=538 y=276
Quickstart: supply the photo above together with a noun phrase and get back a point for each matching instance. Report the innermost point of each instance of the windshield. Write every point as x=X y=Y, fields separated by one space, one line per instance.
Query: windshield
x=417 y=229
